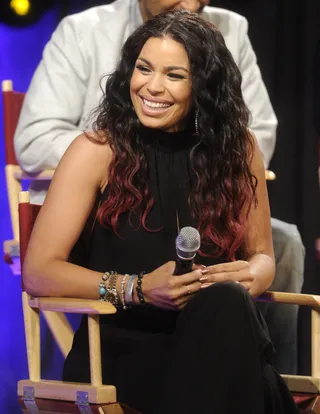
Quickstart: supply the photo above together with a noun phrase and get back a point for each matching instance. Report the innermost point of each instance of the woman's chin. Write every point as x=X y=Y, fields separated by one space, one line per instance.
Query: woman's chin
x=152 y=123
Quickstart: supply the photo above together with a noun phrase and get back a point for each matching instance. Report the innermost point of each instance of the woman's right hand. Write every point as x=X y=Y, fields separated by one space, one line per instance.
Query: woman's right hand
x=164 y=290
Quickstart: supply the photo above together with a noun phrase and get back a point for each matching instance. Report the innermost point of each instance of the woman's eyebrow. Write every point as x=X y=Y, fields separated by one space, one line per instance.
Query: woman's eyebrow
x=166 y=67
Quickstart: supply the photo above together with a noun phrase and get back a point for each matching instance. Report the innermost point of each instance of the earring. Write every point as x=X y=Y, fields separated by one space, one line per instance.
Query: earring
x=196 y=121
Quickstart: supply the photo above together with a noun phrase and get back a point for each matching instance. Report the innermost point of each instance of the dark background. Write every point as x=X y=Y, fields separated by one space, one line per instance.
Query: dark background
x=285 y=36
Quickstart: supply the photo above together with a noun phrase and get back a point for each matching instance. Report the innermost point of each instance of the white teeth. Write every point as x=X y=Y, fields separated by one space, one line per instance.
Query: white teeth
x=155 y=104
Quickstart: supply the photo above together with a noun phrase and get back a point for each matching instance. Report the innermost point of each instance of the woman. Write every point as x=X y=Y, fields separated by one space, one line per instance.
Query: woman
x=171 y=149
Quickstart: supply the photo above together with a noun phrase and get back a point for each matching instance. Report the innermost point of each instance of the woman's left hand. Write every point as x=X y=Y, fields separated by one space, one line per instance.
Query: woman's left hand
x=238 y=271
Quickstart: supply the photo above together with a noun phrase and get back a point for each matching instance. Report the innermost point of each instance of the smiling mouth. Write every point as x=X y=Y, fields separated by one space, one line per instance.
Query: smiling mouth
x=155 y=106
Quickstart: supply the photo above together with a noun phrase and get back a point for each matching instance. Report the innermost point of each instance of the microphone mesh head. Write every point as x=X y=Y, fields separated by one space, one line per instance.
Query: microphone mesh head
x=188 y=240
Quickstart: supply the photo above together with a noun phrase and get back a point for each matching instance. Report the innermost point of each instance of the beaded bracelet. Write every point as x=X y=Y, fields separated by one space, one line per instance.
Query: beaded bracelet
x=111 y=291
x=139 y=289
x=123 y=282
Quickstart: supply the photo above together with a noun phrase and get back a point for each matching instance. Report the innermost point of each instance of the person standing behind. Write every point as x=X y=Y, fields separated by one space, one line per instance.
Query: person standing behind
x=65 y=89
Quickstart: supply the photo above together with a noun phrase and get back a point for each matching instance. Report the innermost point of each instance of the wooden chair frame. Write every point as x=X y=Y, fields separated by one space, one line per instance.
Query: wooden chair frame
x=36 y=392
x=12 y=102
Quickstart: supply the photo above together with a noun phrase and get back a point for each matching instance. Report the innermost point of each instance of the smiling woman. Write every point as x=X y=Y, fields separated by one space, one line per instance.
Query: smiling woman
x=171 y=148
x=205 y=97
x=160 y=87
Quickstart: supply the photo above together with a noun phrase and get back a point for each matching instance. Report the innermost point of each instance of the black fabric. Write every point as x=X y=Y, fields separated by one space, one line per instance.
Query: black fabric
x=213 y=355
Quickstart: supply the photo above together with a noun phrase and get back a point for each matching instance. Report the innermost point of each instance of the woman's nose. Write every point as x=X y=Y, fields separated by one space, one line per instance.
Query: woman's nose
x=155 y=85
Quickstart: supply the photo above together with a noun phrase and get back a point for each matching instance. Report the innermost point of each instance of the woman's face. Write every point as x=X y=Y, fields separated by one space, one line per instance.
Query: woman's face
x=160 y=86
x=150 y=8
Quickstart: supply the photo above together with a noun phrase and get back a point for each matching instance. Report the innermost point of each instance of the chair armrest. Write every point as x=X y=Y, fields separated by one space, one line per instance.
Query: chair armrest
x=291 y=298
x=270 y=175
x=45 y=175
x=72 y=305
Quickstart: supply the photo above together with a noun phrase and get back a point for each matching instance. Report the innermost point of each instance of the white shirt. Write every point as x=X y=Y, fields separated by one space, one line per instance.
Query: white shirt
x=86 y=46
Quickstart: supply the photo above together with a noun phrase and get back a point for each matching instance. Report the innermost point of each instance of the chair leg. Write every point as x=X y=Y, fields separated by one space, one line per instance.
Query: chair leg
x=315 y=340
x=32 y=334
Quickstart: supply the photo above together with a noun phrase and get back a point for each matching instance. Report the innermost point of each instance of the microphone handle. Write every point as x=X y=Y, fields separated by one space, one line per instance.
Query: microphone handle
x=183 y=266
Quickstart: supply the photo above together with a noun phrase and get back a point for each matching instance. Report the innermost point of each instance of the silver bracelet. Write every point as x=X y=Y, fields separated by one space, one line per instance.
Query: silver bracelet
x=129 y=290
x=123 y=282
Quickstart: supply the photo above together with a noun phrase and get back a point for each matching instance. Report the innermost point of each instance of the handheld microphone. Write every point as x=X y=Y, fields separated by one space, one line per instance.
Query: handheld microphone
x=187 y=245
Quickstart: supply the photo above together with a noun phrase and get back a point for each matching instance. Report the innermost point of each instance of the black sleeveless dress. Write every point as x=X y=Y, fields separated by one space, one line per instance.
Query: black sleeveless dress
x=211 y=357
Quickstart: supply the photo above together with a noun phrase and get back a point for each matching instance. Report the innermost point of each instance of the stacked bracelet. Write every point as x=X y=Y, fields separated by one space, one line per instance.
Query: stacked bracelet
x=102 y=286
x=111 y=291
x=139 y=288
x=129 y=290
x=108 y=289
x=123 y=282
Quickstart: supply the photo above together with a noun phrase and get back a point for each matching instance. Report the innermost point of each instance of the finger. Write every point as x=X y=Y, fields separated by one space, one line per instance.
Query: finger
x=205 y=285
x=191 y=288
x=178 y=292
x=187 y=290
x=232 y=276
x=198 y=266
x=188 y=278
x=228 y=267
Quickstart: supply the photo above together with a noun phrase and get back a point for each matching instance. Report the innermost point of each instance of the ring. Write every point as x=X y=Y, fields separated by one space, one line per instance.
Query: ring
x=189 y=290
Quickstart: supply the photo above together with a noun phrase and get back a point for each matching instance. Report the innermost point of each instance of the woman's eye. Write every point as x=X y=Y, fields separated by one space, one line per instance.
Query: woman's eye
x=175 y=76
x=143 y=69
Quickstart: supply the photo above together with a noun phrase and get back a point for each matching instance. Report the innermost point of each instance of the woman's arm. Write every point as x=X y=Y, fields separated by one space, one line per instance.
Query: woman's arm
x=80 y=175
x=258 y=242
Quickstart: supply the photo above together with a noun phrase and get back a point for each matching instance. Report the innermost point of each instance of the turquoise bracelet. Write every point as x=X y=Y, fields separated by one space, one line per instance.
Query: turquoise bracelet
x=102 y=286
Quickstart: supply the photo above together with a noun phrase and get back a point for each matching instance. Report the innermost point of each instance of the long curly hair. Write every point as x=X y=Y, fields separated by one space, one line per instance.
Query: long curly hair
x=225 y=186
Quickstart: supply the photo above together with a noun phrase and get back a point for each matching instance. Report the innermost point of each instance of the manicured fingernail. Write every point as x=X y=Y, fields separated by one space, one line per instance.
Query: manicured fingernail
x=205 y=285
x=203 y=278
x=203 y=266
x=204 y=271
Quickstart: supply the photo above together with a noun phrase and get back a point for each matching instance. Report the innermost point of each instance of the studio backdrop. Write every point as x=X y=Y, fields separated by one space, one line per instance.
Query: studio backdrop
x=286 y=36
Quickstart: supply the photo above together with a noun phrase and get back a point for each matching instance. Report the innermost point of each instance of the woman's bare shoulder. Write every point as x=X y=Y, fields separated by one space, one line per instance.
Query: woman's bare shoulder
x=95 y=141
x=92 y=145
x=89 y=153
